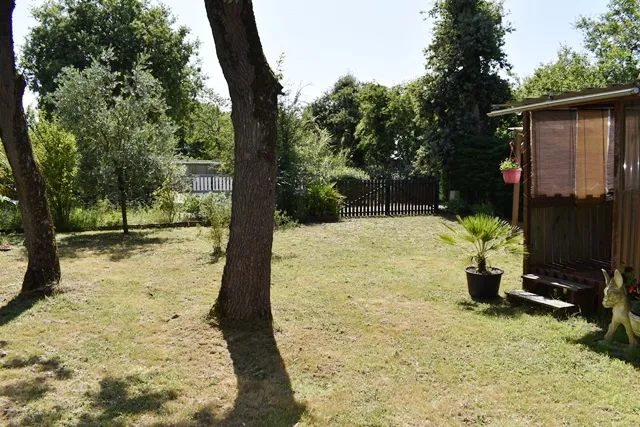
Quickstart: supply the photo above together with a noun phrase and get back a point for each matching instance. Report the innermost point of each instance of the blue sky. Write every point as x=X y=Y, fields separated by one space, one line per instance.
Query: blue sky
x=379 y=40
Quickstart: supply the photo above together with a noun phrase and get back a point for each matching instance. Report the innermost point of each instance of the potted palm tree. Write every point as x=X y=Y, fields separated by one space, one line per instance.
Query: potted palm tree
x=484 y=235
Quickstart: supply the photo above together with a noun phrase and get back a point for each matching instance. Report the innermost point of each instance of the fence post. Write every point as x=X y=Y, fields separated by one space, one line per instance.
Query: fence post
x=387 y=198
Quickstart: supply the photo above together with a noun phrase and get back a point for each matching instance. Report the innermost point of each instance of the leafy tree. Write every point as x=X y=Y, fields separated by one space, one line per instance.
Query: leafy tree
x=571 y=71
x=386 y=130
x=210 y=132
x=57 y=155
x=463 y=80
x=613 y=38
x=126 y=140
x=43 y=269
x=338 y=111
x=69 y=33
x=246 y=282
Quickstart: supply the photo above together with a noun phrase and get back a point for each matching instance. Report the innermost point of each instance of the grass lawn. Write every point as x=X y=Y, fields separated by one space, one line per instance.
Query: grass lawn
x=373 y=326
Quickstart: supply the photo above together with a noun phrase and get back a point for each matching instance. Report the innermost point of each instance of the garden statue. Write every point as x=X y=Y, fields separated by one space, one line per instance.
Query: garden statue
x=615 y=297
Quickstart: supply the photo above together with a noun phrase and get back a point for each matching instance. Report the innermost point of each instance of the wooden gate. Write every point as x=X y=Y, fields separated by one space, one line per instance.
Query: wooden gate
x=379 y=197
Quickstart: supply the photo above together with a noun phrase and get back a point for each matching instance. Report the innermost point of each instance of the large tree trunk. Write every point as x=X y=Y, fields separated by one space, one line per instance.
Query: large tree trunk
x=43 y=270
x=254 y=89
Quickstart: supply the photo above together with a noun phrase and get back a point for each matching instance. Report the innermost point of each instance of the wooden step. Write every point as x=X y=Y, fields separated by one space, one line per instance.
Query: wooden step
x=558 y=283
x=557 y=306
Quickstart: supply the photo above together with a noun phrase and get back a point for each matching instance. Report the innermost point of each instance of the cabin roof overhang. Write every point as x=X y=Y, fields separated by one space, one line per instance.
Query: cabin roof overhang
x=568 y=99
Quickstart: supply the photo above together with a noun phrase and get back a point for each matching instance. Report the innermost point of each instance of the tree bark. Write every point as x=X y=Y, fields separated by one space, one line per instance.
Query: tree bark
x=123 y=201
x=246 y=282
x=43 y=270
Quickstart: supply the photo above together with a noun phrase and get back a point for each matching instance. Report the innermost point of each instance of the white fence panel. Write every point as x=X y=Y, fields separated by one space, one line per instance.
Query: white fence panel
x=203 y=184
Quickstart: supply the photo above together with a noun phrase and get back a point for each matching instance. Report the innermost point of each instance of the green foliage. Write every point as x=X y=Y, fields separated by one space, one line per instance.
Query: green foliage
x=322 y=203
x=284 y=221
x=7 y=184
x=210 y=133
x=305 y=157
x=57 y=155
x=346 y=172
x=463 y=79
x=10 y=219
x=571 y=71
x=457 y=207
x=484 y=235
x=474 y=172
x=215 y=209
x=613 y=39
x=386 y=130
x=69 y=33
x=166 y=196
x=486 y=208
x=509 y=164
x=338 y=112
x=126 y=141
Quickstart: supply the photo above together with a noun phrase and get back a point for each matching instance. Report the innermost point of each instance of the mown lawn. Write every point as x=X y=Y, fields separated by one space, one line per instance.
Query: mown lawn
x=373 y=326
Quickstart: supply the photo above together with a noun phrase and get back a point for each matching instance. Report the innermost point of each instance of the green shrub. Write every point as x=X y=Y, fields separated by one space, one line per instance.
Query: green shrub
x=346 y=172
x=57 y=155
x=7 y=185
x=10 y=219
x=282 y=221
x=457 y=207
x=322 y=203
x=483 y=208
x=191 y=207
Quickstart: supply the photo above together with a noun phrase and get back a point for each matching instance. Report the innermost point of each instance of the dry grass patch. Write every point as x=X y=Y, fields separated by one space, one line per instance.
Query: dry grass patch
x=373 y=326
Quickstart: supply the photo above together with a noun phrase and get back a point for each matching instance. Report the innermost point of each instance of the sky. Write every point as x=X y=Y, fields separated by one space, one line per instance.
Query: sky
x=376 y=40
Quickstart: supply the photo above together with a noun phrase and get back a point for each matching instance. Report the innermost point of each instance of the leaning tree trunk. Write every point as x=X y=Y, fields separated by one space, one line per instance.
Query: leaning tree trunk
x=43 y=270
x=254 y=89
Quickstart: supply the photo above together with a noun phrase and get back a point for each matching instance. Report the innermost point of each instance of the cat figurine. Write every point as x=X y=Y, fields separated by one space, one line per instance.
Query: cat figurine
x=615 y=297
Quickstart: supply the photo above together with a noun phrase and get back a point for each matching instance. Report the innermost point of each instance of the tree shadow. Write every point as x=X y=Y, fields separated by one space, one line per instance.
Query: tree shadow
x=25 y=391
x=16 y=306
x=121 y=397
x=53 y=365
x=116 y=245
x=264 y=396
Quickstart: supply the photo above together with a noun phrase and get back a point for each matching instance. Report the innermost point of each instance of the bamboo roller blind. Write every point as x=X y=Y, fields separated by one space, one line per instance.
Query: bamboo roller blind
x=573 y=153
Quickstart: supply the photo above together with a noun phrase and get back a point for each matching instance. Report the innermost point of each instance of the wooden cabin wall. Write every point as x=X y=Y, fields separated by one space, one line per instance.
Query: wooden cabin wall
x=560 y=234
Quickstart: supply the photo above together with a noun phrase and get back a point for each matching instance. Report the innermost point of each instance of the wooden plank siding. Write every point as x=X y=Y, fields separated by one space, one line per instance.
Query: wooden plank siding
x=561 y=234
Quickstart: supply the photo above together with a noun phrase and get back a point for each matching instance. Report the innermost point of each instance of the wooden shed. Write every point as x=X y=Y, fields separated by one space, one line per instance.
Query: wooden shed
x=581 y=187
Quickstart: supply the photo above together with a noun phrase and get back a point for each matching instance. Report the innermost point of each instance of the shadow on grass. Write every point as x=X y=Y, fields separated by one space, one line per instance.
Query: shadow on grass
x=115 y=244
x=495 y=307
x=617 y=349
x=25 y=391
x=53 y=365
x=123 y=397
x=264 y=396
x=16 y=306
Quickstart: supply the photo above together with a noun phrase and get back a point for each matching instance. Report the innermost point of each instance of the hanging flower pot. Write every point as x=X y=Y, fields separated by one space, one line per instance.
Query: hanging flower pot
x=510 y=168
x=511 y=176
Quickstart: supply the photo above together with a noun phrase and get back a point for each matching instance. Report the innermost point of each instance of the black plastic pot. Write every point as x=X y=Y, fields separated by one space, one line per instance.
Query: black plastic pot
x=484 y=286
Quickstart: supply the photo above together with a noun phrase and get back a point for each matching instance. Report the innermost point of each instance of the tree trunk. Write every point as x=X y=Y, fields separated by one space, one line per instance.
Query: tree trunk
x=43 y=270
x=123 y=201
x=246 y=282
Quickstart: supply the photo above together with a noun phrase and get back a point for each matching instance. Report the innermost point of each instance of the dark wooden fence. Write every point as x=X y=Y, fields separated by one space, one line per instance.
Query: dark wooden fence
x=380 y=197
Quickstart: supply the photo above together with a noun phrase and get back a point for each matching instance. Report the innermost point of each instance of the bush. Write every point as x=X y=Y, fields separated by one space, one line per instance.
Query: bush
x=165 y=197
x=10 y=219
x=7 y=186
x=57 y=155
x=483 y=208
x=282 y=221
x=457 y=207
x=322 y=203
x=346 y=173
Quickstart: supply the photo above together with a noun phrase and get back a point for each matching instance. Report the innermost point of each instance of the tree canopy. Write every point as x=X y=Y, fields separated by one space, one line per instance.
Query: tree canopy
x=71 y=33
x=613 y=39
x=126 y=140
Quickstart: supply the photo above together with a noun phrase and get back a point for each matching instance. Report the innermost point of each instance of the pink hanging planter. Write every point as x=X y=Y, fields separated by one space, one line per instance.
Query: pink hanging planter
x=511 y=176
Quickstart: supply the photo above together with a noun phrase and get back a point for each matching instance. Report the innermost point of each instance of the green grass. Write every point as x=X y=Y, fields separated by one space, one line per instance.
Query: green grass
x=373 y=326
